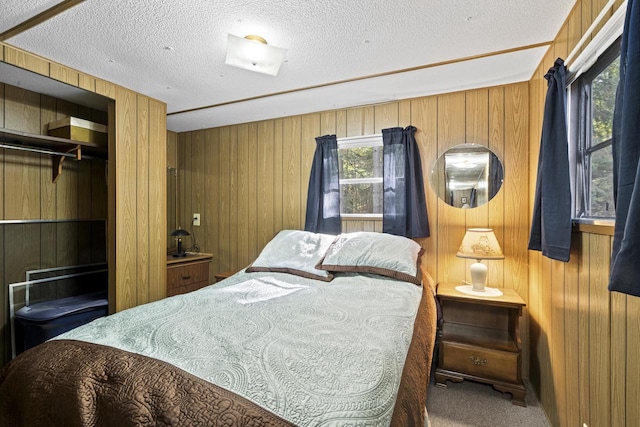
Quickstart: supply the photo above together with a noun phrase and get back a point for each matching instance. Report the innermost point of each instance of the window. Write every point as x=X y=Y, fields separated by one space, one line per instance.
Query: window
x=595 y=93
x=360 y=161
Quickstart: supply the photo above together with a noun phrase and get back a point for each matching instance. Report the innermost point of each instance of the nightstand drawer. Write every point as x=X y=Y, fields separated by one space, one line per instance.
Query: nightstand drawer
x=482 y=362
x=184 y=289
x=187 y=274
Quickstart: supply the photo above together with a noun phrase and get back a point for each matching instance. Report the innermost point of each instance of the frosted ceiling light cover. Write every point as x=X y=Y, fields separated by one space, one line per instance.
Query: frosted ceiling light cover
x=254 y=55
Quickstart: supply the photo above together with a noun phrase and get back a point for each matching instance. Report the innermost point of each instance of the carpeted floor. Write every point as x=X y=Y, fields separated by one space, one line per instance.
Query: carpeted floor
x=474 y=404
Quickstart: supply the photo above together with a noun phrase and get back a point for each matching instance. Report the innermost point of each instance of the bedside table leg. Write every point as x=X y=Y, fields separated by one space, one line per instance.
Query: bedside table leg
x=518 y=394
x=443 y=376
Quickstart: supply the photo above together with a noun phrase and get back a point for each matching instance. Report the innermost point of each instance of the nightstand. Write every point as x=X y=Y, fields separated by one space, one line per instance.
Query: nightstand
x=224 y=274
x=188 y=273
x=478 y=339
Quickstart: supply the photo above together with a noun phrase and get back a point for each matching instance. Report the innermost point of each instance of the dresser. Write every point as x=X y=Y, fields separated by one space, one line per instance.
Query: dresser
x=188 y=273
x=478 y=339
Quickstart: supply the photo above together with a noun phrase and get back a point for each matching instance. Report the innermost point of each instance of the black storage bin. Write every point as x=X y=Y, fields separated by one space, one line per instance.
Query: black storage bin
x=41 y=321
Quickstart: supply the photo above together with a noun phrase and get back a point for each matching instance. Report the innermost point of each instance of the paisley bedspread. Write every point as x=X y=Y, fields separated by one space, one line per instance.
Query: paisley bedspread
x=312 y=353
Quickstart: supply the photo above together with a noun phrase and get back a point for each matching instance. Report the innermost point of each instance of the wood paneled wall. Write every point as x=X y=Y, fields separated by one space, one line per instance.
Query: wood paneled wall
x=584 y=339
x=250 y=181
x=136 y=190
x=172 y=149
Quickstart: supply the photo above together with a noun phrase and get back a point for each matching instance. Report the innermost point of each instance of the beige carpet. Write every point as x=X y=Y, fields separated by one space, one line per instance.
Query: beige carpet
x=473 y=404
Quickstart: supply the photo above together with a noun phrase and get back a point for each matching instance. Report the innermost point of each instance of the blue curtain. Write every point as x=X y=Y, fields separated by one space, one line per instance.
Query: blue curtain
x=496 y=175
x=323 y=197
x=625 y=258
x=551 y=224
x=473 y=198
x=404 y=203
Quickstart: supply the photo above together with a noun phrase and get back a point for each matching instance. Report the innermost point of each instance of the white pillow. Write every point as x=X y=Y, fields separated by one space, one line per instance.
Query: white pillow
x=377 y=253
x=295 y=252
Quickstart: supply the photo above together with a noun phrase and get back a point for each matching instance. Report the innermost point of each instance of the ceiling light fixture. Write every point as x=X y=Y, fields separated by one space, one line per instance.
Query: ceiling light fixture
x=254 y=54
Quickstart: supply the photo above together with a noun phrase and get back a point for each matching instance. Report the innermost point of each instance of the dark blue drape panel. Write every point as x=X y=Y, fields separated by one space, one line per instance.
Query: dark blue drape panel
x=551 y=225
x=323 y=198
x=496 y=175
x=625 y=258
x=473 y=198
x=405 y=207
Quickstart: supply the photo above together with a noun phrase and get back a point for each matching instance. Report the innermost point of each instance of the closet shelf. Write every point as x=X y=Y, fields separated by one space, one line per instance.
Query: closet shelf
x=60 y=148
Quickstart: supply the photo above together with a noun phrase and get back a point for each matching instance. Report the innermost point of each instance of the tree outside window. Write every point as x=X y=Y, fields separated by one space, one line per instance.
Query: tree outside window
x=360 y=171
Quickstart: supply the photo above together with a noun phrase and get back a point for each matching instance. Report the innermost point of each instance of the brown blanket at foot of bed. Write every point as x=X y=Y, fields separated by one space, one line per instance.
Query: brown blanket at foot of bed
x=105 y=386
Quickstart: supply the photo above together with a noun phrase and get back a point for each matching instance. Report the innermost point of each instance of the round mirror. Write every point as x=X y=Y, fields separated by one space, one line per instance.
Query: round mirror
x=467 y=176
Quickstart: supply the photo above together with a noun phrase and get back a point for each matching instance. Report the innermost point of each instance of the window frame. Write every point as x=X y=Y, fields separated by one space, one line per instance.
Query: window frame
x=364 y=141
x=580 y=133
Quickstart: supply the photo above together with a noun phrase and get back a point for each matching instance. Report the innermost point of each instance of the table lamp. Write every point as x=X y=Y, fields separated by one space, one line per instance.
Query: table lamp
x=180 y=233
x=479 y=244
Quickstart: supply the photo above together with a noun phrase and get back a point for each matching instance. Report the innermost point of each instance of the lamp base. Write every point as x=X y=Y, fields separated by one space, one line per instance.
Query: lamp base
x=180 y=252
x=478 y=276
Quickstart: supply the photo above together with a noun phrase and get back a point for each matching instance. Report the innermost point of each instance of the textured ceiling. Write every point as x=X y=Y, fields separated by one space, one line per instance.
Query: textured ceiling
x=174 y=51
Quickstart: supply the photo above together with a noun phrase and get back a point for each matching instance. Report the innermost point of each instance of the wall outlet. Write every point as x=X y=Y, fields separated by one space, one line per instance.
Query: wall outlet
x=196 y=220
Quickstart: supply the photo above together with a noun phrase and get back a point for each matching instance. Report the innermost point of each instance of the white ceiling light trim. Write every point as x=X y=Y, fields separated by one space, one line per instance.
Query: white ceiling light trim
x=254 y=54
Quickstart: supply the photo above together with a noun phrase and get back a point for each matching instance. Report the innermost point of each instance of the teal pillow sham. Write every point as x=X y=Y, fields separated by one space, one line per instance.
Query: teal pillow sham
x=378 y=253
x=294 y=252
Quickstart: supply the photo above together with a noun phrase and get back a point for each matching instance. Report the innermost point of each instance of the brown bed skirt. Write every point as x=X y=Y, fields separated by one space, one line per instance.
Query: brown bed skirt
x=73 y=383
x=410 y=408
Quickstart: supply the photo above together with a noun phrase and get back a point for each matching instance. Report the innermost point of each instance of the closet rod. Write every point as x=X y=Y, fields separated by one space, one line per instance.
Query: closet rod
x=47 y=221
x=587 y=33
x=44 y=151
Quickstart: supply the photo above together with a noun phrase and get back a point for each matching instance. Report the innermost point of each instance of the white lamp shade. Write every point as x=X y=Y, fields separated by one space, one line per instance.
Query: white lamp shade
x=480 y=243
x=254 y=55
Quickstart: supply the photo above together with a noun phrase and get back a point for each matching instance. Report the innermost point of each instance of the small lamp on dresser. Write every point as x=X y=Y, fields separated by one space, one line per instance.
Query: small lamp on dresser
x=479 y=244
x=180 y=233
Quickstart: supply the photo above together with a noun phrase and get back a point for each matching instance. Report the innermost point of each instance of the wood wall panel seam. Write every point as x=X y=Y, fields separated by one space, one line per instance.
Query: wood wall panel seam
x=142 y=199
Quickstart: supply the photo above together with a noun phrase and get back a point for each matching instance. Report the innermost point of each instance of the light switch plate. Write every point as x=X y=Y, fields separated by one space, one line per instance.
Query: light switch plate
x=196 y=219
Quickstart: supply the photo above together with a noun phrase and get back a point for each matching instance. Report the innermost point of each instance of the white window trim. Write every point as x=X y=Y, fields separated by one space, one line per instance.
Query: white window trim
x=348 y=181
x=374 y=140
x=608 y=34
x=367 y=217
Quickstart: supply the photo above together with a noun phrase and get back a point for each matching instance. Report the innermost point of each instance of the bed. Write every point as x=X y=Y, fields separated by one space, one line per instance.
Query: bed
x=318 y=331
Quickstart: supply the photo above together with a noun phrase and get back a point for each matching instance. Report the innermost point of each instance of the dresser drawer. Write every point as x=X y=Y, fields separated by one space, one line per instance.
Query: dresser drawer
x=481 y=362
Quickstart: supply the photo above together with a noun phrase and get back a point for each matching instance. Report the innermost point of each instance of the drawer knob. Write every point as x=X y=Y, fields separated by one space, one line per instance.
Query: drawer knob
x=187 y=277
x=478 y=361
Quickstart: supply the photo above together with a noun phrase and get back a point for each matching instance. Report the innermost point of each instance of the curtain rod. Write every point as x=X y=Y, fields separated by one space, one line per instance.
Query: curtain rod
x=587 y=33
x=47 y=221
